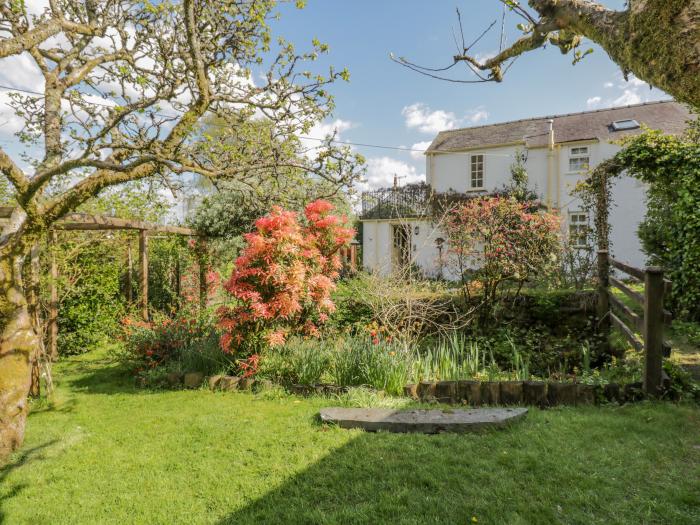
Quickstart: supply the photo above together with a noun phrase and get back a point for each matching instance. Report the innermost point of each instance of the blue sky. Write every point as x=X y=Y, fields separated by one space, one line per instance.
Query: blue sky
x=385 y=103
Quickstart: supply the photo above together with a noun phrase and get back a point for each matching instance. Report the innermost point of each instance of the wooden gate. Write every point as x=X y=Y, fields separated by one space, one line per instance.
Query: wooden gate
x=644 y=332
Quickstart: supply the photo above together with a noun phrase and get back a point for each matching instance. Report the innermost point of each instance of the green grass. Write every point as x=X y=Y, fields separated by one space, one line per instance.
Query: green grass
x=108 y=453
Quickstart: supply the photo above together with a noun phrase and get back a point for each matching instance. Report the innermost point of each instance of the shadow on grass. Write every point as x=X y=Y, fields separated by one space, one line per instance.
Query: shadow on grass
x=391 y=478
x=25 y=457
x=101 y=377
x=544 y=470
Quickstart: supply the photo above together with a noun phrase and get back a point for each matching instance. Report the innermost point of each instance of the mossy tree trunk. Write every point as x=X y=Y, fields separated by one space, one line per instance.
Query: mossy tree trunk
x=18 y=343
x=656 y=40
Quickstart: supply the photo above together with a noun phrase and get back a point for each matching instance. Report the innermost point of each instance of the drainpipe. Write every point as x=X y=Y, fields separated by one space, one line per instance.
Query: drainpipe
x=550 y=163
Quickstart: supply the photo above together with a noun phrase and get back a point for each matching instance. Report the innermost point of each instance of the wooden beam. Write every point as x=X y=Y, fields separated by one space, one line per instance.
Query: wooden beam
x=53 y=298
x=630 y=270
x=84 y=221
x=635 y=296
x=629 y=334
x=143 y=272
x=635 y=319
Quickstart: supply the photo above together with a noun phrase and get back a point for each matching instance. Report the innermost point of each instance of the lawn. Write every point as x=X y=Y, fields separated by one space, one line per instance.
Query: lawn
x=109 y=453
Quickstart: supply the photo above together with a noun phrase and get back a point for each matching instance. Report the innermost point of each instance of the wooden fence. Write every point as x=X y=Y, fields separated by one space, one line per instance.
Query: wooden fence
x=644 y=332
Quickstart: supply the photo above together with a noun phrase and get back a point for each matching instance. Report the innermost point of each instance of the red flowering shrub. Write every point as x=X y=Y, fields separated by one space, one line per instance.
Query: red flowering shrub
x=496 y=240
x=156 y=343
x=282 y=282
x=249 y=366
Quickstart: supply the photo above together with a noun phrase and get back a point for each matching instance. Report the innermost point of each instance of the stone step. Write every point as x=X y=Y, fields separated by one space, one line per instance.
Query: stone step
x=424 y=421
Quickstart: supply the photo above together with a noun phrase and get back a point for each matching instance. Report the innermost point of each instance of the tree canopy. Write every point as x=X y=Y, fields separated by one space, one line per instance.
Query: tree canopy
x=656 y=40
x=128 y=90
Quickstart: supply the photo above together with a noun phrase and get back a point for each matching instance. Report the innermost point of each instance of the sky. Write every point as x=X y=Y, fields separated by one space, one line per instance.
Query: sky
x=386 y=104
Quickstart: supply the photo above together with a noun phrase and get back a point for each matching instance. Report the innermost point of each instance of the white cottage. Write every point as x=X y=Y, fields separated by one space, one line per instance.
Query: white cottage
x=559 y=150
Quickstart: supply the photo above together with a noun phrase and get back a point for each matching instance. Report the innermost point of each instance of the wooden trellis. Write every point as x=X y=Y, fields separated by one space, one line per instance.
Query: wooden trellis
x=86 y=222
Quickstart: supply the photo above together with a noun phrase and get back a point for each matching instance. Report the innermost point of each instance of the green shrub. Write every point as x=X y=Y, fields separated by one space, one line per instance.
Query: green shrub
x=91 y=304
x=451 y=358
x=298 y=361
x=367 y=361
x=188 y=342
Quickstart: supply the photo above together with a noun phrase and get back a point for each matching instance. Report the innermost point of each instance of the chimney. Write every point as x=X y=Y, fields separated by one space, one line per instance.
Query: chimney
x=551 y=133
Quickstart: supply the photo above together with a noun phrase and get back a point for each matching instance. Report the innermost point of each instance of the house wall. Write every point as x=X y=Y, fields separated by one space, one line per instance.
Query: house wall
x=549 y=177
x=450 y=172
x=376 y=247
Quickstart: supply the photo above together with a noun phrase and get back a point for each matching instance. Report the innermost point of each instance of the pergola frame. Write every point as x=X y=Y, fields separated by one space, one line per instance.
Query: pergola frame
x=87 y=222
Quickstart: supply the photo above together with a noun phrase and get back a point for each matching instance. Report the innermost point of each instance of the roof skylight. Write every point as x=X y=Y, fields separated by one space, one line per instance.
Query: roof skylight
x=622 y=125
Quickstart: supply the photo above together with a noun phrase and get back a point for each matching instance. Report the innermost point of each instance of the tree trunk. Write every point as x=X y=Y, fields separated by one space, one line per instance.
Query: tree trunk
x=18 y=343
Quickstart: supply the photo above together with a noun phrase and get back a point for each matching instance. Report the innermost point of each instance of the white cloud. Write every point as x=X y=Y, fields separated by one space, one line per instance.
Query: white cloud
x=628 y=97
x=593 y=102
x=475 y=116
x=624 y=93
x=381 y=171
x=321 y=130
x=419 y=148
x=421 y=117
x=20 y=71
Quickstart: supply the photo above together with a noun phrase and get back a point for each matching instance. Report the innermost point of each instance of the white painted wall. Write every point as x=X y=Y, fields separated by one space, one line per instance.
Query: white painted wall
x=376 y=247
x=450 y=172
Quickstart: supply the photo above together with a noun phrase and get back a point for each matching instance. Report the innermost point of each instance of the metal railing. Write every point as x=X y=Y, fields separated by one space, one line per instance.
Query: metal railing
x=411 y=201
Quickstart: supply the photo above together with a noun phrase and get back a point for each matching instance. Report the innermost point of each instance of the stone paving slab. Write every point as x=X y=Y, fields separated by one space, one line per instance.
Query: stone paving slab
x=425 y=421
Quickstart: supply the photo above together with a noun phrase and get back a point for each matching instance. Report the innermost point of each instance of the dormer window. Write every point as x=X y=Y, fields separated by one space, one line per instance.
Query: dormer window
x=579 y=159
x=476 y=172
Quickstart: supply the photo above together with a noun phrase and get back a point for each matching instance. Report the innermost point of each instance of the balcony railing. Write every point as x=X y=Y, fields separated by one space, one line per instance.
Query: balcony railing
x=409 y=202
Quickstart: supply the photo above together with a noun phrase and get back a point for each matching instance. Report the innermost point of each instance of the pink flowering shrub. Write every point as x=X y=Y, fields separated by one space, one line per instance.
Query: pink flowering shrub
x=496 y=240
x=281 y=284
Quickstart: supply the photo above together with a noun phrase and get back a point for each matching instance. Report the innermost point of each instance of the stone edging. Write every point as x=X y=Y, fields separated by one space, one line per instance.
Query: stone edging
x=472 y=393
x=534 y=393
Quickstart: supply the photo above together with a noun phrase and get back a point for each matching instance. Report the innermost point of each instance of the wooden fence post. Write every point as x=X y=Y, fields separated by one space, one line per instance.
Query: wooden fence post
x=143 y=270
x=653 y=329
x=178 y=277
x=603 y=307
x=129 y=270
x=202 y=263
x=353 y=257
x=53 y=298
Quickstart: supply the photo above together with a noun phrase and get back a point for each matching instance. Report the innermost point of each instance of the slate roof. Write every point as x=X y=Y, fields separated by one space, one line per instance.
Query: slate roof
x=668 y=116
